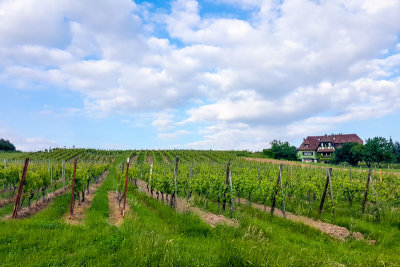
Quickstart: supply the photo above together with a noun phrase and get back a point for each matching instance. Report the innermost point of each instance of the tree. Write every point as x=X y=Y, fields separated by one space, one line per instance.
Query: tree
x=356 y=154
x=283 y=150
x=351 y=153
x=6 y=145
x=378 y=150
x=396 y=151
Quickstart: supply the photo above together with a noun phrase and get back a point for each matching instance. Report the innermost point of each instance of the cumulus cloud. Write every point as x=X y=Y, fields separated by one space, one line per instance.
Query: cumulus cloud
x=23 y=143
x=173 y=135
x=292 y=63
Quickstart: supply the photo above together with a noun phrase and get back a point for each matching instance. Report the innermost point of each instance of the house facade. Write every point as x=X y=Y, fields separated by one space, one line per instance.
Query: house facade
x=322 y=147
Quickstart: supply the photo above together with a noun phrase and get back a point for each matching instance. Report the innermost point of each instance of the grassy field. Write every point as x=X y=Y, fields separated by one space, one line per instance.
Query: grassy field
x=154 y=235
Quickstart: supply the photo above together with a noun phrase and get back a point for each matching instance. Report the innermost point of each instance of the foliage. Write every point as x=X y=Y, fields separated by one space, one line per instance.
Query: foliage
x=283 y=150
x=396 y=151
x=378 y=150
x=350 y=152
x=6 y=145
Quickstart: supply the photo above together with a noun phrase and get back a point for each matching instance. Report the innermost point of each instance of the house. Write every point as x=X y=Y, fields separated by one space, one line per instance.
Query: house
x=315 y=147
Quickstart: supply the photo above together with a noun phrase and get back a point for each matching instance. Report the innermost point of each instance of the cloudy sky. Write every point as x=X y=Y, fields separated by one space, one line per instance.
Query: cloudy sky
x=220 y=74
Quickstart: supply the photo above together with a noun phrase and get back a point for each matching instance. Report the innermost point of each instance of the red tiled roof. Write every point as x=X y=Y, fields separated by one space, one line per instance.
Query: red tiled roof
x=336 y=139
x=326 y=150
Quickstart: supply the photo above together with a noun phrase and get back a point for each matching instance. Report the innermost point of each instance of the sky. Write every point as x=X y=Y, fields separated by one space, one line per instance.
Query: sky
x=207 y=74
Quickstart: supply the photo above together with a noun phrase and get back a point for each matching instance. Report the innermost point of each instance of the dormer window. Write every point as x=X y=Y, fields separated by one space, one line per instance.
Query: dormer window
x=306 y=145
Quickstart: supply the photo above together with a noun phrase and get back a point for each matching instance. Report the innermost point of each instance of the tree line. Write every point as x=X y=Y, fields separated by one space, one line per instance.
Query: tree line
x=377 y=150
x=6 y=145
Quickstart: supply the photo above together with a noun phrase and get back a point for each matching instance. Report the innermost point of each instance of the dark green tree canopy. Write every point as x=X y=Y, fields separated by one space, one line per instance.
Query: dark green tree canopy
x=349 y=152
x=6 y=145
x=378 y=150
x=396 y=149
x=283 y=150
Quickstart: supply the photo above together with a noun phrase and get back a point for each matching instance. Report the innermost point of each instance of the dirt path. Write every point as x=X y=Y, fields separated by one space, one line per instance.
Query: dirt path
x=37 y=206
x=116 y=217
x=183 y=205
x=4 y=202
x=79 y=210
x=335 y=231
x=149 y=159
x=294 y=163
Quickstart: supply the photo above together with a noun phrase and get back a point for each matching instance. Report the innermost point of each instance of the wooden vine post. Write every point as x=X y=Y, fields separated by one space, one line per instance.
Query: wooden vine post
x=72 y=190
x=369 y=181
x=126 y=187
x=230 y=185
x=151 y=174
x=228 y=169
x=283 y=195
x=21 y=184
x=330 y=185
x=325 y=190
x=277 y=185
x=366 y=191
x=175 y=175
x=190 y=179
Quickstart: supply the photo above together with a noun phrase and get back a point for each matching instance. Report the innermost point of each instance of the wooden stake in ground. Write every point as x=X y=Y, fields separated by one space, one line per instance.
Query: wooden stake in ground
x=330 y=185
x=72 y=190
x=126 y=187
x=283 y=195
x=366 y=191
x=325 y=189
x=175 y=174
x=276 y=190
x=190 y=178
x=230 y=184
x=228 y=168
x=21 y=184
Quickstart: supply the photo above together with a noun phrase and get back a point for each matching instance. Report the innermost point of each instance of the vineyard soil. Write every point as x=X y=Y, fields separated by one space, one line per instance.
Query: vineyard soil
x=183 y=205
x=37 y=206
x=116 y=217
x=78 y=215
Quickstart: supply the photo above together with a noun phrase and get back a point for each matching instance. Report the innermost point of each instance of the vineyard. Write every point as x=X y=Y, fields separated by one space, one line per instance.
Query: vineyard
x=237 y=211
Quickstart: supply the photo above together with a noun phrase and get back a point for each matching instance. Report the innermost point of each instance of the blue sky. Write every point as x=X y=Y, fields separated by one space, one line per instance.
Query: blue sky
x=221 y=74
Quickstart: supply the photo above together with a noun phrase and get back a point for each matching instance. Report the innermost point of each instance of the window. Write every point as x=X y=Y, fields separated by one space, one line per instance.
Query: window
x=307 y=153
x=306 y=145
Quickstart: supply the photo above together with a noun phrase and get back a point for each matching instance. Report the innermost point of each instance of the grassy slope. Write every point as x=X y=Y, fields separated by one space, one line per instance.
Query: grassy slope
x=153 y=234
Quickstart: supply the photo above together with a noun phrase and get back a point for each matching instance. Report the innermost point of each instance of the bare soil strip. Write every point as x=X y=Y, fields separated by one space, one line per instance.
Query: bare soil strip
x=183 y=205
x=116 y=217
x=4 y=202
x=335 y=231
x=37 y=206
x=149 y=159
x=79 y=210
x=294 y=163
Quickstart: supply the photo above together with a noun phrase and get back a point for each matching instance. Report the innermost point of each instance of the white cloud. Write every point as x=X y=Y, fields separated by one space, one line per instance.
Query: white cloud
x=297 y=62
x=173 y=135
x=163 y=121
x=23 y=143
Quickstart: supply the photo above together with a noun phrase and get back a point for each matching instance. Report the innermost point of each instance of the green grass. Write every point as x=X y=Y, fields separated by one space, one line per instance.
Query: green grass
x=154 y=235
